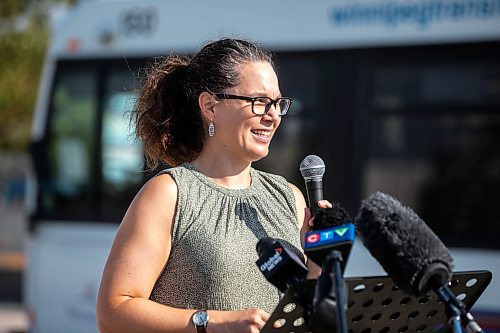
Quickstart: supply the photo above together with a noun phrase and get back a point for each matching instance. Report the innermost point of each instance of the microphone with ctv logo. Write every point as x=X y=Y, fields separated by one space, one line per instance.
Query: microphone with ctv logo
x=312 y=169
x=332 y=230
x=279 y=265
x=329 y=245
x=408 y=250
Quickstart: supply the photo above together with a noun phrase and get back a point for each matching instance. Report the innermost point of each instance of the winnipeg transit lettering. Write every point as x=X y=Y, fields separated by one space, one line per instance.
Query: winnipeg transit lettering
x=421 y=13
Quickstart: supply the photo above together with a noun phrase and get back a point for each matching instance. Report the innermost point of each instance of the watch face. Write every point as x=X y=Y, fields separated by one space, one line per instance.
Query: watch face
x=200 y=318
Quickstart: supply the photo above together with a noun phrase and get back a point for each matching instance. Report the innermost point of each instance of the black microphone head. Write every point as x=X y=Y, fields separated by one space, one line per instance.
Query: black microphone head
x=312 y=167
x=280 y=262
x=331 y=217
x=264 y=244
x=403 y=244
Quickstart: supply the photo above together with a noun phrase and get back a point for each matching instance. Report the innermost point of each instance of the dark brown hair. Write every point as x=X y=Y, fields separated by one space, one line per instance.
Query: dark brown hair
x=167 y=117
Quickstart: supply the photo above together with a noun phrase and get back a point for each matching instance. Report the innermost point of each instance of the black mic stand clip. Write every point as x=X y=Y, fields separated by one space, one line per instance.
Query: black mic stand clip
x=329 y=304
x=457 y=311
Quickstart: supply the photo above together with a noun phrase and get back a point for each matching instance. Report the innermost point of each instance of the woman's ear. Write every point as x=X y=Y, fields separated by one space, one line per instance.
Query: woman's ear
x=206 y=102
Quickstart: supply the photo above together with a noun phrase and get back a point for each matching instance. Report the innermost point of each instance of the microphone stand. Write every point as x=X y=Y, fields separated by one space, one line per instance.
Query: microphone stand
x=457 y=310
x=339 y=292
x=452 y=311
x=332 y=264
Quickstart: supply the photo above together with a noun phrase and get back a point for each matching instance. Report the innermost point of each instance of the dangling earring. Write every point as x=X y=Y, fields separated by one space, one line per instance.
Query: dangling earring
x=211 y=129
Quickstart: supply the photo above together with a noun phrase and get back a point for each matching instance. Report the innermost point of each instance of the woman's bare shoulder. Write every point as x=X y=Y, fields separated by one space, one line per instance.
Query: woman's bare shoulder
x=162 y=185
x=156 y=200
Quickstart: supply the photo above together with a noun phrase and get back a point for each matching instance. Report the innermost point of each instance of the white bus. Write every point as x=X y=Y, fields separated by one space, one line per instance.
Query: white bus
x=395 y=95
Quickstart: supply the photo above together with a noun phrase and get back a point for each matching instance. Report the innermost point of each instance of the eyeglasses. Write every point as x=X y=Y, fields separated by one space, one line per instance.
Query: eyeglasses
x=262 y=105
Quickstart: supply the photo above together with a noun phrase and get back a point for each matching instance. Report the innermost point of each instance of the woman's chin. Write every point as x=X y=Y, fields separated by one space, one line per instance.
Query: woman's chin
x=259 y=154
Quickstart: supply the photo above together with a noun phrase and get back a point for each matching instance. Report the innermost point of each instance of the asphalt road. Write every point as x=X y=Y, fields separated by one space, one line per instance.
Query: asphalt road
x=13 y=317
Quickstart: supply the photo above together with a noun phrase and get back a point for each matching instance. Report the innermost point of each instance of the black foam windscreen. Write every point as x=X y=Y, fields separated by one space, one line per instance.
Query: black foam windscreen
x=402 y=243
x=279 y=262
x=330 y=217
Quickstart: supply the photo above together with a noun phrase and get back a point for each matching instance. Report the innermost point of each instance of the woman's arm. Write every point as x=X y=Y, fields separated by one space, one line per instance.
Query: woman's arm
x=138 y=255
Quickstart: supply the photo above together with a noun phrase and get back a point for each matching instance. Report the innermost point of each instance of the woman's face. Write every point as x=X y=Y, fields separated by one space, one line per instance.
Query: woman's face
x=238 y=131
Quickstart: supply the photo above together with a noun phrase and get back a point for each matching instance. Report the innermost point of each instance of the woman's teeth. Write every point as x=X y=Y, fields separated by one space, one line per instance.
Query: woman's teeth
x=261 y=132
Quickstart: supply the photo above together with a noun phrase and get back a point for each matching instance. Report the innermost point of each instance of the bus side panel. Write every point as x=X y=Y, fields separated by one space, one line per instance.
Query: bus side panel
x=69 y=264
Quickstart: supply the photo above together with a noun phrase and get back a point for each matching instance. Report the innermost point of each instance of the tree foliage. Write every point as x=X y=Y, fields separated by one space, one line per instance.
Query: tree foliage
x=12 y=8
x=24 y=32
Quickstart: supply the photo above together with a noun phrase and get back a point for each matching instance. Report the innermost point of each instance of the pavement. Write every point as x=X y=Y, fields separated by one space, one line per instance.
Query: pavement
x=13 y=317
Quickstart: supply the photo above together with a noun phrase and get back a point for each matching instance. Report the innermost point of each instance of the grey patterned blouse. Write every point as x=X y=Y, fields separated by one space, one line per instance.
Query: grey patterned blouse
x=215 y=231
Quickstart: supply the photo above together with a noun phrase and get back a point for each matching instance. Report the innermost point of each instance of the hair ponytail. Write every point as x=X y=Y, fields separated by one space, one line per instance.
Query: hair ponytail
x=164 y=116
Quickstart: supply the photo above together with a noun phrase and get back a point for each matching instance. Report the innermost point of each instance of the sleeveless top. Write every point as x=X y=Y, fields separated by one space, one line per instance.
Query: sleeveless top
x=215 y=232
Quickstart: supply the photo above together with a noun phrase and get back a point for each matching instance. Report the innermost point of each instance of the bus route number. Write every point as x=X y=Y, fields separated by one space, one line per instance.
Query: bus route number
x=139 y=22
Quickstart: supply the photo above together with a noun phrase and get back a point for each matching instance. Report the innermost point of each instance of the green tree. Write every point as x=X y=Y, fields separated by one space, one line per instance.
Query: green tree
x=22 y=51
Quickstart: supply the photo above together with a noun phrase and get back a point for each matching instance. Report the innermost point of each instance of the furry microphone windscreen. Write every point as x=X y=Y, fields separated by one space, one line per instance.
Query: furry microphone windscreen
x=402 y=243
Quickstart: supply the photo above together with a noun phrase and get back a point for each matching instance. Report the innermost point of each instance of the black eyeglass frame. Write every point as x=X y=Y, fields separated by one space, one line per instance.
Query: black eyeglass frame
x=254 y=99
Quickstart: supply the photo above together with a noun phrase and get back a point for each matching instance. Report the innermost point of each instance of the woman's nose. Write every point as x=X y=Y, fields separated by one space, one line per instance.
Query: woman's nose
x=273 y=113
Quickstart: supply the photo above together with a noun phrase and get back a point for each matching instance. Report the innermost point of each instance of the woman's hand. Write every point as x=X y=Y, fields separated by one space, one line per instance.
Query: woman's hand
x=314 y=270
x=244 y=321
x=306 y=221
x=309 y=219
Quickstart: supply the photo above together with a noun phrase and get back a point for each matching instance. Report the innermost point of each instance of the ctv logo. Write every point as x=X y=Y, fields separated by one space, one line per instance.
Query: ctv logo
x=326 y=235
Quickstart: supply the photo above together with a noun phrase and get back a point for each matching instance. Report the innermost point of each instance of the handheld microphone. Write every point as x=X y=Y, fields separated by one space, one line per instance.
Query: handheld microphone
x=409 y=251
x=312 y=169
x=332 y=230
x=280 y=266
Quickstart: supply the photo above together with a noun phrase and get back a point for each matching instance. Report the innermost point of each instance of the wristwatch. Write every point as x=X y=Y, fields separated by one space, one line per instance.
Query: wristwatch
x=200 y=321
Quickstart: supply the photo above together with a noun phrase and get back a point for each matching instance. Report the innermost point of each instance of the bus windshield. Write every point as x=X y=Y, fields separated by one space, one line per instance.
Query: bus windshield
x=94 y=163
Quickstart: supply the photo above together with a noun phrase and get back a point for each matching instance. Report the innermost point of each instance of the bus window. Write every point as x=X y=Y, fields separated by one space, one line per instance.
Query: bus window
x=70 y=143
x=94 y=164
x=437 y=149
x=122 y=154
x=122 y=159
